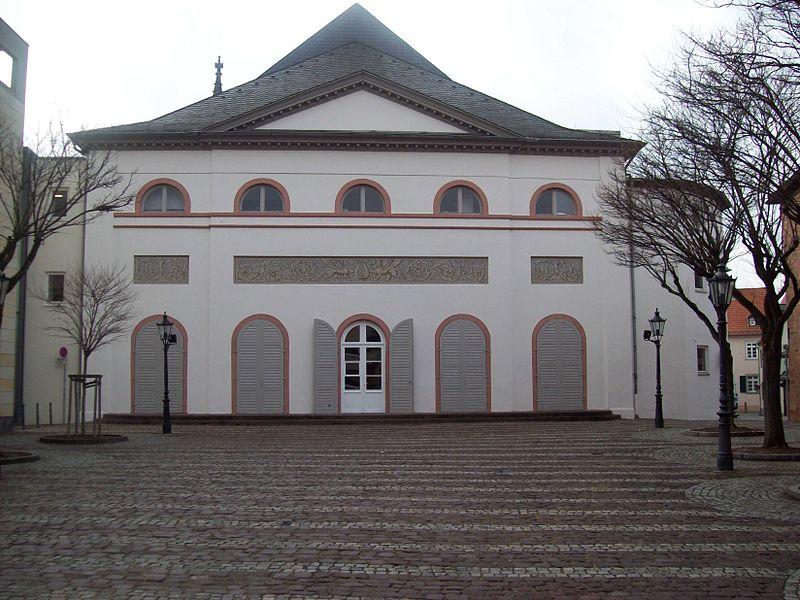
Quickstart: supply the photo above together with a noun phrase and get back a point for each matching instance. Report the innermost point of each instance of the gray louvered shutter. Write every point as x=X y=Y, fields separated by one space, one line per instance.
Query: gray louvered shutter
x=473 y=368
x=260 y=374
x=559 y=367
x=401 y=371
x=571 y=357
x=326 y=358
x=272 y=374
x=148 y=386
x=450 y=384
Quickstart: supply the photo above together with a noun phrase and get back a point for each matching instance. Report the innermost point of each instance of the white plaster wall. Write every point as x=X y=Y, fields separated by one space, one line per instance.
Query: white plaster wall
x=210 y=306
x=687 y=394
x=43 y=380
x=362 y=111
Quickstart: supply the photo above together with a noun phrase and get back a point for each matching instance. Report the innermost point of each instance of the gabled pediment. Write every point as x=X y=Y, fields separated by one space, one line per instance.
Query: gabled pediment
x=362 y=102
x=362 y=110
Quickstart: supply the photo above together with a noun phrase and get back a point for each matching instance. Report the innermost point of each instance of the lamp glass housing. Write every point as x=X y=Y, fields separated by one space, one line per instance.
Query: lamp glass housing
x=657 y=327
x=720 y=288
x=165 y=329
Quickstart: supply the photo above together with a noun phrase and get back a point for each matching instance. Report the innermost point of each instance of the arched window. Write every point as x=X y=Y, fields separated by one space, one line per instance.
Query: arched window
x=555 y=201
x=559 y=364
x=362 y=197
x=459 y=199
x=163 y=198
x=463 y=365
x=260 y=366
x=147 y=368
x=262 y=196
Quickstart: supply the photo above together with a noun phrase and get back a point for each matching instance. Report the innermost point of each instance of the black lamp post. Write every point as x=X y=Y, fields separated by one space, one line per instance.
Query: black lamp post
x=167 y=339
x=654 y=335
x=720 y=290
x=4 y=285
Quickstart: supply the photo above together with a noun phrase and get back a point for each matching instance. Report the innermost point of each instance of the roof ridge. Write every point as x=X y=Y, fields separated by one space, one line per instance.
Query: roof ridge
x=347 y=26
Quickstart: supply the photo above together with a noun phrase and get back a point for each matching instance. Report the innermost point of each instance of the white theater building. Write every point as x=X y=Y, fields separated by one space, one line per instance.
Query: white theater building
x=354 y=232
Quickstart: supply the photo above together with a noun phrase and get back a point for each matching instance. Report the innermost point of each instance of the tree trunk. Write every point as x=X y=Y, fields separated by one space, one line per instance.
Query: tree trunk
x=771 y=348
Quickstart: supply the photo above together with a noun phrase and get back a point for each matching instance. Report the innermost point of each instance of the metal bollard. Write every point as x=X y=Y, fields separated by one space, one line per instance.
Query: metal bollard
x=51 y=413
x=37 y=415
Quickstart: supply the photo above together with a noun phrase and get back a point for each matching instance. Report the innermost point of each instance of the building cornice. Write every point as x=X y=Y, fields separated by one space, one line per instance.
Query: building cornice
x=348 y=140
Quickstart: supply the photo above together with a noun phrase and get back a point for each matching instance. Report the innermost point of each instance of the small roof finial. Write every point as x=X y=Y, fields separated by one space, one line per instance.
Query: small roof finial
x=218 y=82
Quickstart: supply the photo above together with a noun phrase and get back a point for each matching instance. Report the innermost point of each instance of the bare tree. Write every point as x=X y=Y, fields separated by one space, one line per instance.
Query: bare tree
x=97 y=309
x=729 y=121
x=92 y=185
x=667 y=227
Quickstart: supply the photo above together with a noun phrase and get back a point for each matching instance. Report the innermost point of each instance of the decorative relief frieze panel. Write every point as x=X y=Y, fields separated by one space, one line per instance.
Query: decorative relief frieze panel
x=360 y=269
x=160 y=269
x=556 y=269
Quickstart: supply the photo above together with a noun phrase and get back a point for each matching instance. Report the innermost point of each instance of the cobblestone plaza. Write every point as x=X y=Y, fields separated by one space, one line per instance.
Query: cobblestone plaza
x=383 y=510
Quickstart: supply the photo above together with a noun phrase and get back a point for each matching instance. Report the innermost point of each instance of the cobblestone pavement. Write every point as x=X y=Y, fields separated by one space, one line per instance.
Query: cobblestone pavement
x=428 y=510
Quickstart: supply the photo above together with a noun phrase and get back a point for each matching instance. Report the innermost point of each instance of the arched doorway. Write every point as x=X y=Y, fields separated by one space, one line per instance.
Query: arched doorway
x=260 y=361
x=147 y=368
x=363 y=369
x=559 y=364
x=463 y=365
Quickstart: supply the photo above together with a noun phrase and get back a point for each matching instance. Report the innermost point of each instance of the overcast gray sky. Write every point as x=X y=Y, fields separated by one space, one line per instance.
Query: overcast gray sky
x=580 y=63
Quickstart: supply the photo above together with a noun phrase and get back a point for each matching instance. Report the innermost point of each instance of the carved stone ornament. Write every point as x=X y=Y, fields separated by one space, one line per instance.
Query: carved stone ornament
x=160 y=269
x=556 y=269
x=360 y=269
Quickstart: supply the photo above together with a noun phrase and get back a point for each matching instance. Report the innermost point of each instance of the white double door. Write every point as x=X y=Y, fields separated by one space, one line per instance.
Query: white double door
x=363 y=369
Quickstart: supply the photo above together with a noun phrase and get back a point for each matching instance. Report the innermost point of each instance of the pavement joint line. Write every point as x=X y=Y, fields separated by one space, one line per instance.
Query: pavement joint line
x=391 y=526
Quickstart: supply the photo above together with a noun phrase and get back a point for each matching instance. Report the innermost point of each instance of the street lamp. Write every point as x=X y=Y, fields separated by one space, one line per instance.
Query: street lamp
x=654 y=335
x=720 y=290
x=167 y=339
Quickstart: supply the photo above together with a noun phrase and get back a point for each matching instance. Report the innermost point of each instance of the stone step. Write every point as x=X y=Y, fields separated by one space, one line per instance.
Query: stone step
x=222 y=419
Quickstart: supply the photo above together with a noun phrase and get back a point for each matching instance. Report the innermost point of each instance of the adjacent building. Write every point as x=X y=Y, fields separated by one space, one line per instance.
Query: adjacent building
x=13 y=70
x=352 y=231
x=744 y=336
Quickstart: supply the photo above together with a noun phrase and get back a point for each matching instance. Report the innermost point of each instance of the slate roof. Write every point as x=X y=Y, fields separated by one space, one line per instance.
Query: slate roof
x=358 y=33
x=356 y=24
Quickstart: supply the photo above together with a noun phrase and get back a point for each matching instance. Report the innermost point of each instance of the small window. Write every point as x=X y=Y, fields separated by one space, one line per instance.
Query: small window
x=751 y=350
x=363 y=199
x=699 y=282
x=751 y=321
x=702 y=359
x=460 y=200
x=163 y=198
x=751 y=384
x=6 y=68
x=262 y=198
x=58 y=205
x=55 y=287
x=556 y=202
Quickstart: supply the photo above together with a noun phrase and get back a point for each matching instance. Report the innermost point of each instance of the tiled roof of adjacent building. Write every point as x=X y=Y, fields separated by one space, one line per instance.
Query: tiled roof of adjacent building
x=354 y=43
x=738 y=315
